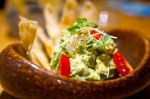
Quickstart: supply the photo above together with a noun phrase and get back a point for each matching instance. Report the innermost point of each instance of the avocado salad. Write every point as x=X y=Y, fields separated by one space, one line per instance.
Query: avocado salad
x=86 y=53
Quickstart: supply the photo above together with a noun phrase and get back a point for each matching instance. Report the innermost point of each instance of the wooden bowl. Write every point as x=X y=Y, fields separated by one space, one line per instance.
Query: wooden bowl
x=25 y=80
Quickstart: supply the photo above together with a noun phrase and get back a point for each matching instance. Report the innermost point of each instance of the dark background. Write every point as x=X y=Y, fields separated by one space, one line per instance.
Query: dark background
x=2 y=3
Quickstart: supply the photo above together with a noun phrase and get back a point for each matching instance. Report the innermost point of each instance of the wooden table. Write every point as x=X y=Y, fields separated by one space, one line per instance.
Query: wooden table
x=123 y=22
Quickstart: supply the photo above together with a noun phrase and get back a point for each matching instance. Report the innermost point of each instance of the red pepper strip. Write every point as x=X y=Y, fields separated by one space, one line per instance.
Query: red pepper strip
x=123 y=67
x=64 y=66
x=95 y=34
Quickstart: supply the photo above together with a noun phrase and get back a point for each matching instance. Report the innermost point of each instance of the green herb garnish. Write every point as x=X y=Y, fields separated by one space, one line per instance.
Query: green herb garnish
x=82 y=48
x=98 y=45
x=55 y=61
x=106 y=38
x=80 y=23
x=90 y=41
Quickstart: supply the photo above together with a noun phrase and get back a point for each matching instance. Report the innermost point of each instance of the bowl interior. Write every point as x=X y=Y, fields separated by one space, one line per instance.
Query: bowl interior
x=131 y=44
x=27 y=80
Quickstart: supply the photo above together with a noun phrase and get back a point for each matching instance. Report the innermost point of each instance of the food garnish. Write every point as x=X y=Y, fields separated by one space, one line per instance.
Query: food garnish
x=87 y=53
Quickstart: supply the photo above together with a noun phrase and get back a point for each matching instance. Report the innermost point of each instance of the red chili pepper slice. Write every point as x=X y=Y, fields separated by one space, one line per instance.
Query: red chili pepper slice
x=64 y=66
x=95 y=34
x=123 y=67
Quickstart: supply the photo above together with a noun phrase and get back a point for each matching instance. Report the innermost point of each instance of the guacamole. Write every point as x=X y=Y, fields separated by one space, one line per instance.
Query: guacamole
x=87 y=52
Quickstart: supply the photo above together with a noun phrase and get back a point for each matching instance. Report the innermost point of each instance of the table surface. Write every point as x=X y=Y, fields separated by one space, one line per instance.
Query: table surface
x=123 y=22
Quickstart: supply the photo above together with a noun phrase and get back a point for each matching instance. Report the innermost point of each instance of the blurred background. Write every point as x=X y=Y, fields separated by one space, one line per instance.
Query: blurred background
x=132 y=15
x=123 y=14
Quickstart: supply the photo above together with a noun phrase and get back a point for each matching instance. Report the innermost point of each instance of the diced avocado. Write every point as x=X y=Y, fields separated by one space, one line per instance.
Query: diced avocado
x=90 y=59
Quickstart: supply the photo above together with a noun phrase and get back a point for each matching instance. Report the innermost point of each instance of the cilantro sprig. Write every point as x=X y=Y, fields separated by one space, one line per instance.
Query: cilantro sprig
x=80 y=23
